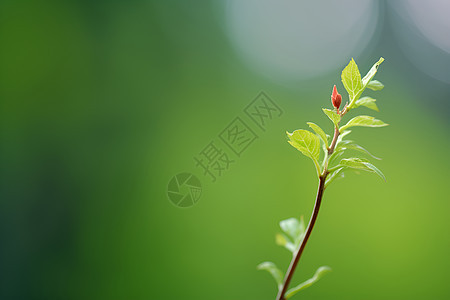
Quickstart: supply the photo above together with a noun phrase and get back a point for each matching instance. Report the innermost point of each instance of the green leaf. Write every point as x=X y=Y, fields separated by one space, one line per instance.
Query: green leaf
x=341 y=145
x=338 y=150
x=351 y=78
x=295 y=232
x=365 y=121
x=350 y=145
x=354 y=162
x=333 y=175
x=375 y=85
x=371 y=73
x=367 y=102
x=308 y=143
x=375 y=170
x=294 y=228
x=334 y=117
x=284 y=241
x=356 y=147
x=340 y=139
x=319 y=132
x=273 y=270
x=361 y=164
x=319 y=274
x=364 y=83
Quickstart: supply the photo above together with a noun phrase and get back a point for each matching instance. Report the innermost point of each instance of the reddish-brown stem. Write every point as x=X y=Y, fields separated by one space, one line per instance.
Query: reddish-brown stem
x=312 y=221
x=296 y=258
x=333 y=143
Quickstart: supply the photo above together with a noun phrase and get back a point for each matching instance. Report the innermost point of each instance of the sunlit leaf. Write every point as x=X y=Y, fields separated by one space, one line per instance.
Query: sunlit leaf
x=273 y=270
x=319 y=132
x=360 y=149
x=364 y=83
x=365 y=121
x=334 y=117
x=351 y=78
x=284 y=241
x=346 y=144
x=361 y=164
x=375 y=85
x=333 y=175
x=308 y=143
x=294 y=228
x=371 y=72
x=319 y=274
x=367 y=102
x=375 y=170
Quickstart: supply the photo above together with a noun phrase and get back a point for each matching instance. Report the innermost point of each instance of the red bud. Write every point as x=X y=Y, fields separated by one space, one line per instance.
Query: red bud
x=336 y=98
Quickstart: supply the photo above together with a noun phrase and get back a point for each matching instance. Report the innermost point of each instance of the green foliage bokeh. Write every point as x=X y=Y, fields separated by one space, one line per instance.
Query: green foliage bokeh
x=101 y=105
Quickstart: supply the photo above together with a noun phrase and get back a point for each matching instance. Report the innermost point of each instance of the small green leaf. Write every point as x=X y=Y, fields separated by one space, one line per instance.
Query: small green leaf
x=371 y=73
x=354 y=162
x=375 y=85
x=347 y=144
x=341 y=145
x=281 y=239
x=319 y=274
x=273 y=270
x=294 y=228
x=356 y=147
x=367 y=102
x=295 y=232
x=340 y=139
x=333 y=175
x=319 y=132
x=284 y=241
x=343 y=134
x=338 y=151
x=361 y=164
x=364 y=83
x=351 y=78
x=334 y=117
x=365 y=121
x=308 y=143
x=335 y=156
x=375 y=170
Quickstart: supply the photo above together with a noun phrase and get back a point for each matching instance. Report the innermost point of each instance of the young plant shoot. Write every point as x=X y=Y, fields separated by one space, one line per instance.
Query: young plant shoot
x=332 y=165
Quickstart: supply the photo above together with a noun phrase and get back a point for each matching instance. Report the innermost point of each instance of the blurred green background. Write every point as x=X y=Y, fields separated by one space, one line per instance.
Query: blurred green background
x=103 y=102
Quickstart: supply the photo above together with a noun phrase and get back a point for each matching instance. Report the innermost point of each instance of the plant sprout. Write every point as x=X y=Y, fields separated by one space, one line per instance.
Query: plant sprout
x=331 y=166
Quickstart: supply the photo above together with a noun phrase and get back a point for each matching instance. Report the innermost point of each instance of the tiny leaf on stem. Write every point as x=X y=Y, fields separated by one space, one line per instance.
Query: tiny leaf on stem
x=319 y=132
x=371 y=72
x=375 y=85
x=294 y=228
x=365 y=121
x=282 y=240
x=356 y=147
x=351 y=78
x=361 y=164
x=319 y=274
x=307 y=143
x=273 y=270
x=334 y=117
x=333 y=176
x=367 y=102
